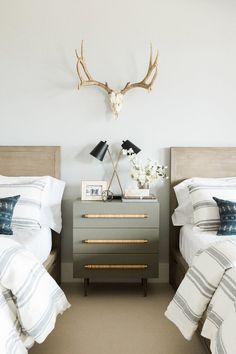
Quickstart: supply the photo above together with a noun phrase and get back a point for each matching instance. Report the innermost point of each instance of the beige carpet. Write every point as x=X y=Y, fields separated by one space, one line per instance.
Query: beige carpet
x=116 y=319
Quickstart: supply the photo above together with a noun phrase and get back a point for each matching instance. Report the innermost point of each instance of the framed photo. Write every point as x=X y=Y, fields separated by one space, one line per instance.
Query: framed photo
x=92 y=190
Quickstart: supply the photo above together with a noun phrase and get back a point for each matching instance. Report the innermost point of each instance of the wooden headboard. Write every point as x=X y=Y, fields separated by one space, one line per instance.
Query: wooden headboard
x=30 y=161
x=187 y=162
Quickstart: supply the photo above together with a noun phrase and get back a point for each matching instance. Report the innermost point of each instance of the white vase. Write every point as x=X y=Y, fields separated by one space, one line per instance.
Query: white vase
x=143 y=189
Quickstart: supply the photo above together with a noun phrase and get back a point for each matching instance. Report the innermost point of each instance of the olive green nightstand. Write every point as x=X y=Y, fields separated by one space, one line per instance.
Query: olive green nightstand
x=115 y=240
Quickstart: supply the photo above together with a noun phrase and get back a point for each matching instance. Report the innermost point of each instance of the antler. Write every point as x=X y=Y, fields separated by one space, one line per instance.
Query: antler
x=88 y=81
x=151 y=73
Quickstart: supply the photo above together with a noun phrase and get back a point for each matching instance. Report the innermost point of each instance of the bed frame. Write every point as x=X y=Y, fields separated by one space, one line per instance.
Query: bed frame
x=187 y=162
x=35 y=161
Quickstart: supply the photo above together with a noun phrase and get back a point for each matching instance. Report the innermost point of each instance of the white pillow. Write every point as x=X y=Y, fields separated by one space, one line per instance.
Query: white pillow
x=205 y=209
x=51 y=197
x=51 y=203
x=26 y=214
x=183 y=214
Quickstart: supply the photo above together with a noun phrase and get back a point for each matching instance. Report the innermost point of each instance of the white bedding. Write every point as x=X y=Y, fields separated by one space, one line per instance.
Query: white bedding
x=38 y=242
x=210 y=283
x=30 y=299
x=192 y=239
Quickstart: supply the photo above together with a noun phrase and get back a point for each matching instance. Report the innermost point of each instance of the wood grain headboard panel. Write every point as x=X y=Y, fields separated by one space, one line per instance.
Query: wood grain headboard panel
x=30 y=161
x=187 y=162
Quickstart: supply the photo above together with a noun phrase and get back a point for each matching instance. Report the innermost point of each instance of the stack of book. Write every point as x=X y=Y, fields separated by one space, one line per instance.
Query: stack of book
x=148 y=198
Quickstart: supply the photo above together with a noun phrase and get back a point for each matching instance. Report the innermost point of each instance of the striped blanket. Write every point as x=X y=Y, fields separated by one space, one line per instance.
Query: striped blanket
x=30 y=299
x=209 y=284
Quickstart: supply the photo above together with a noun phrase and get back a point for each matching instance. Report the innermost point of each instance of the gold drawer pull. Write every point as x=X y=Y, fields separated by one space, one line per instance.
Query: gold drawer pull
x=115 y=216
x=114 y=241
x=116 y=266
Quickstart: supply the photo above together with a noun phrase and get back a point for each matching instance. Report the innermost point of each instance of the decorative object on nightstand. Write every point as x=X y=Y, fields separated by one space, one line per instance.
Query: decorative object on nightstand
x=149 y=198
x=99 y=153
x=115 y=241
x=92 y=190
x=144 y=174
x=115 y=97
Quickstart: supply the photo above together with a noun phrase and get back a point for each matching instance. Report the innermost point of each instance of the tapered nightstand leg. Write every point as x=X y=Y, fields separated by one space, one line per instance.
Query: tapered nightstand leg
x=144 y=284
x=86 y=282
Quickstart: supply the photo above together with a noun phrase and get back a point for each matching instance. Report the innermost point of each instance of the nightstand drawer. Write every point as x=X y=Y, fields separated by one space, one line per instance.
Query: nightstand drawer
x=115 y=214
x=117 y=265
x=115 y=240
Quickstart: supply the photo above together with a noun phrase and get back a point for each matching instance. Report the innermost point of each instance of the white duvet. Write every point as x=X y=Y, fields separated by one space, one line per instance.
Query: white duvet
x=38 y=242
x=192 y=239
x=30 y=299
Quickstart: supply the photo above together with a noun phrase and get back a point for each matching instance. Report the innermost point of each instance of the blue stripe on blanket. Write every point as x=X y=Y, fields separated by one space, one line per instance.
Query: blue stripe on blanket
x=182 y=304
x=42 y=324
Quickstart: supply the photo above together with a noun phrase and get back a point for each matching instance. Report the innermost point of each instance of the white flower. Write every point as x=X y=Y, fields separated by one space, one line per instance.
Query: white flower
x=146 y=172
x=130 y=151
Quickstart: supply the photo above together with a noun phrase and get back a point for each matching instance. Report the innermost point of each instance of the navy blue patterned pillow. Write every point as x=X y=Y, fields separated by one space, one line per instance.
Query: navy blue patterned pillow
x=7 y=206
x=227 y=211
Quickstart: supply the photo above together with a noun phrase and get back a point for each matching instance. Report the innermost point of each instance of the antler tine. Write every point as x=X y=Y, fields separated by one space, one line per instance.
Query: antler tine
x=150 y=60
x=152 y=80
x=152 y=69
x=81 y=56
x=78 y=69
x=151 y=55
x=88 y=81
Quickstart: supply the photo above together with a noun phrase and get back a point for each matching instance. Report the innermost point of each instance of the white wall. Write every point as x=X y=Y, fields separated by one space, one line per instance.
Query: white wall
x=193 y=101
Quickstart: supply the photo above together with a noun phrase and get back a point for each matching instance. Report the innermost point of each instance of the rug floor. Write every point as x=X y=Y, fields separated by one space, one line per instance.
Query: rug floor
x=117 y=319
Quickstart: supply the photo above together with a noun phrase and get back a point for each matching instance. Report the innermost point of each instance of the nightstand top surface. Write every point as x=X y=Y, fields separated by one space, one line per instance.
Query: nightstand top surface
x=78 y=200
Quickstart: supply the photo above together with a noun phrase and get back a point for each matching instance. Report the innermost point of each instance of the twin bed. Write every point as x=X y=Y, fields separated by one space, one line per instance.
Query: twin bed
x=187 y=240
x=30 y=299
x=36 y=161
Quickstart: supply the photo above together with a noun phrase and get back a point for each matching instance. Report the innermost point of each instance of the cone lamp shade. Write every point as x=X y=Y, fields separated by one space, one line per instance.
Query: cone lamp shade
x=127 y=144
x=100 y=150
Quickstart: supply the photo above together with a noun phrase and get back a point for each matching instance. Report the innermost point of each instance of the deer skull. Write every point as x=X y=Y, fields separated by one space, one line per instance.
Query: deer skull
x=116 y=100
x=115 y=97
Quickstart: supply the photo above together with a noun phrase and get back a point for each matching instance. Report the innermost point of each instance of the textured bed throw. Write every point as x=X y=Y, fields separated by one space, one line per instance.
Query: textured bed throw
x=30 y=299
x=209 y=284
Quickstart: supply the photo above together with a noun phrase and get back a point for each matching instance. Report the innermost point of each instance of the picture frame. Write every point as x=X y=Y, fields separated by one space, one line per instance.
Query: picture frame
x=92 y=190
